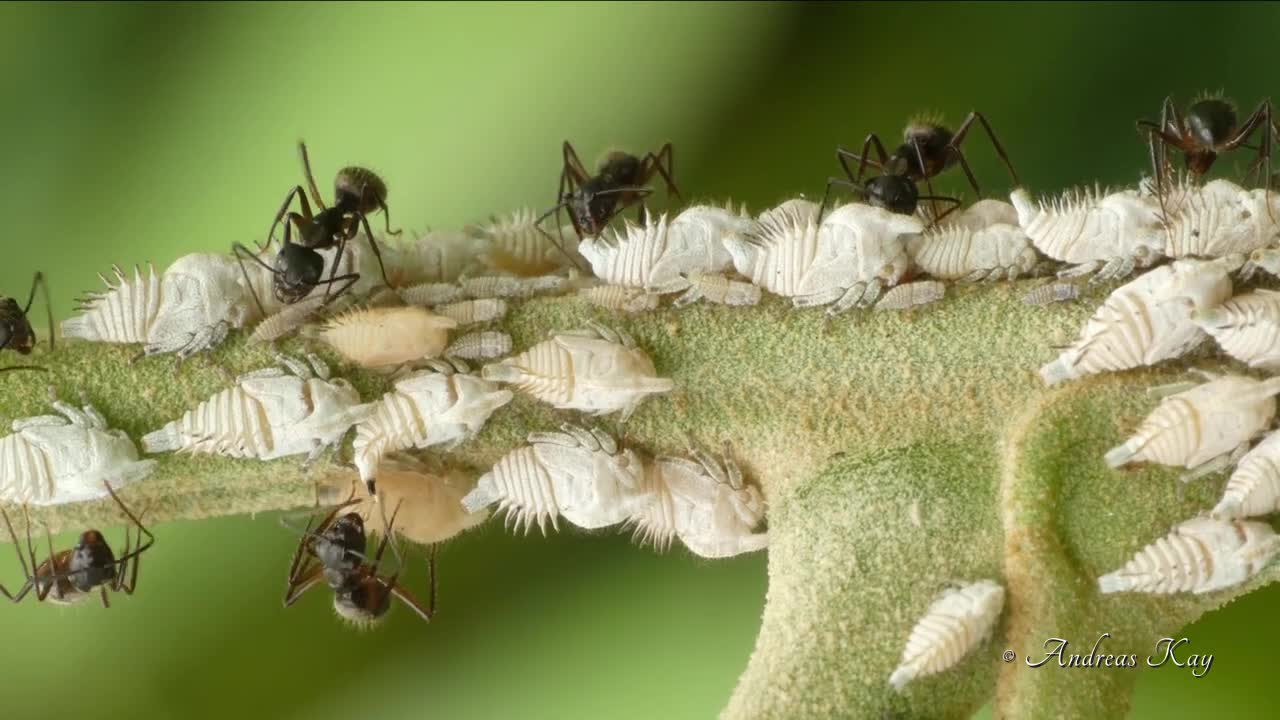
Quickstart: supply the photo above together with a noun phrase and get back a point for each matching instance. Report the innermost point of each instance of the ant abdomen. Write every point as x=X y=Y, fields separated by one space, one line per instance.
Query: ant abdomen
x=359 y=189
x=1212 y=121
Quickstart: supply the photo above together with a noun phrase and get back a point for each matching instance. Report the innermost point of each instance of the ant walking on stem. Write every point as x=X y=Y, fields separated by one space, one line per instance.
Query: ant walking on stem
x=621 y=180
x=928 y=149
x=299 y=267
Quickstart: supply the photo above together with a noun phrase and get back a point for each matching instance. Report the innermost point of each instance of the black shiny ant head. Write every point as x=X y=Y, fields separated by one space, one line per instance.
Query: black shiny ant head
x=298 y=270
x=364 y=602
x=92 y=563
x=15 y=330
x=895 y=193
x=357 y=189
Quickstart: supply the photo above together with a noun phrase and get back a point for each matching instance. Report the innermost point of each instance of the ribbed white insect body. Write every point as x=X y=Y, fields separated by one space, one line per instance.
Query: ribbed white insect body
x=1247 y=327
x=621 y=298
x=1147 y=320
x=66 y=458
x=597 y=370
x=271 y=413
x=578 y=474
x=434 y=257
x=1219 y=219
x=956 y=623
x=429 y=504
x=911 y=295
x=473 y=312
x=502 y=286
x=1111 y=234
x=1253 y=489
x=857 y=252
x=282 y=323
x=426 y=409
x=1052 y=293
x=705 y=503
x=1199 y=556
x=484 y=345
x=514 y=244
x=430 y=294
x=379 y=337
x=718 y=289
x=983 y=243
x=1200 y=428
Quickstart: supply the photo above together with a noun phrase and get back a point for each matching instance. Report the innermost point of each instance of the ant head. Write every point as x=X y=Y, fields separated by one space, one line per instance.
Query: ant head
x=364 y=602
x=359 y=189
x=895 y=193
x=15 y=330
x=92 y=562
x=342 y=544
x=298 y=270
x=1211 y=121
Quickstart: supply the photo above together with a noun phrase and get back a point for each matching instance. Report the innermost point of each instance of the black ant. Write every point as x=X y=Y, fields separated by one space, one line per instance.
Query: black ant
x=1211 y=127
x=72 y=575
x=298 y=266
x=621 y=180
x=928 y=149
x=335 y=551
x=16 y=333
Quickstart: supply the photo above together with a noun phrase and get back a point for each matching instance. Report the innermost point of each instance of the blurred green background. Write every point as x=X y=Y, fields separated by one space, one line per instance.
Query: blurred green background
x=142 y=132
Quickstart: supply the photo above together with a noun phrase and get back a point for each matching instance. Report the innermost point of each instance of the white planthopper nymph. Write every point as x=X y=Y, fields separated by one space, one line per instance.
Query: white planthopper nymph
x=484 y=345
x=386 y=336
x=473 y=312
x=1253 y=489
x=441 y=406
x=579 y=474
x=856 y=253
x=1204 y=428
x=1218 y=219
x=718 y=289
x=287 y=320
x=430 y=294
x=513 y=243
x=1147 y=320
x=66 y=458
x=658 y=255
x=1111 y=233
x=597 y=370
x=956 y=623
x=1247 y=327
x=621 y=298
x=912 y=295
x=1052 y=293
x=1200 y=555
x=503 y=286
x=702 y=501
x=270 y=413
x=983 y=242
x=428 y=503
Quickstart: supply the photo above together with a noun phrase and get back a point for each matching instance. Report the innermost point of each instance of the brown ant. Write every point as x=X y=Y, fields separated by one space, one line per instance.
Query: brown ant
x=335 y=551
x=298 y=266
x=621 y=180
x=16 y=333
x=72 y=575
x=928 y=149
x=1211 y=127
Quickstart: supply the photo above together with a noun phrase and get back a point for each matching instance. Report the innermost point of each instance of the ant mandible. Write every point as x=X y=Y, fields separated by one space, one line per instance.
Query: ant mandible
x=335 y=551
x=72 y=575
x=1211 y=127
x=620 y=181
x=16 y=333
x=298 y=266
x=928 y=149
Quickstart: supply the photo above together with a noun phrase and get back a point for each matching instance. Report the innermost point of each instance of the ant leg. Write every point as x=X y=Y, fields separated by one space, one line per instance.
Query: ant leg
x=928 y=183
x=408 y=599
x=386 y=215
x=39 y=280
x=851 y=185
x=137 y=522
x=373 y=244
x=241 y=252
x=955 y=203
x=298 y=192
x=311 y=179
x=572 y=164
x=347 y=281
x=1261 y=117
x=871 y=141
x=963 y=130
x=27 y=574
x=667 y=172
